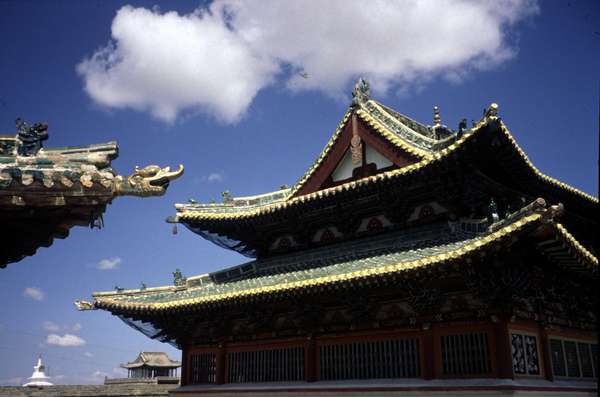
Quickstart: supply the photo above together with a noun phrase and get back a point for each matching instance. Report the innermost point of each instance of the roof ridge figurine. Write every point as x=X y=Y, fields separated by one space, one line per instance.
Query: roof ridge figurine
x=30 y=137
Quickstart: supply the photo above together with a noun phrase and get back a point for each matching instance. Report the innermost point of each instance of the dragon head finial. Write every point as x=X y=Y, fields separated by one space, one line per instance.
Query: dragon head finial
x=84 y=305
x=151 y=180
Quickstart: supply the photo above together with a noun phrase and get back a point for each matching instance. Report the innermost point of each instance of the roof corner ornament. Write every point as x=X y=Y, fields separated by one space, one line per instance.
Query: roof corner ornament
x=554 y=211
x=227 y=197
x=84 y=305
x=462 y=127
x=178 y=279
x=30 y=137
x=440 y=131
x=493 y=216
x=151 y=180
x=491 y=113
x=361 y=92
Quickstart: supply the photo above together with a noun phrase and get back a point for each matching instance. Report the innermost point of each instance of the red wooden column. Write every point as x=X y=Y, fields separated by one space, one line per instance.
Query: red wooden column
x=184 y=372
x=545 y=350
x=310 y=359
x=429 y=352
x=503 y=349
x=220 y=364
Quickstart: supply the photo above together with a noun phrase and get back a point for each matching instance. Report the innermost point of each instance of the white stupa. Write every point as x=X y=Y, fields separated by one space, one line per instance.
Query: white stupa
x=39 y=377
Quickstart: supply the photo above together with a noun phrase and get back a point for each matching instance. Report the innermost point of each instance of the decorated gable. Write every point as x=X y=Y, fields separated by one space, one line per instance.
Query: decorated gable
x=359 y=151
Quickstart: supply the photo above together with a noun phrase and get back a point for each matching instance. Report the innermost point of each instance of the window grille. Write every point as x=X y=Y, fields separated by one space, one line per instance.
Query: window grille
x=525 y=356
x=203 y=367
x=396 y=358
x=268 y=365
x=465 y=354
x=574 y=359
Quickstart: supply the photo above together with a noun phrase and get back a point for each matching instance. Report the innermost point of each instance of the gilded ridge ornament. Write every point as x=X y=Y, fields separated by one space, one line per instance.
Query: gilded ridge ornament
x=491 y=113
x=437 y=119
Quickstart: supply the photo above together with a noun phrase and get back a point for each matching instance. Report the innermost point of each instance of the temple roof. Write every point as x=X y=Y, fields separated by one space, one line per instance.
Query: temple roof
x=152 y=359
x=46 y=191
x=425 y=151
x=354 y=263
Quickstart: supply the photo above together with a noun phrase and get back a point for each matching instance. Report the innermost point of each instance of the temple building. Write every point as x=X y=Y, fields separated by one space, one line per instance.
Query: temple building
x=408 y=259
x=149 y=367
x=39 y=377
x=46 y=191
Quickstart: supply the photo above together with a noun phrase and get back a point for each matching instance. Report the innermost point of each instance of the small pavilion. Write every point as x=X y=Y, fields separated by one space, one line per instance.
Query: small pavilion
x=151 y=365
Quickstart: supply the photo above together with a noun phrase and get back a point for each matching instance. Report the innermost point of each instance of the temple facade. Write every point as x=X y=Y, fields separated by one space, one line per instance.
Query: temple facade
x=44 y=192
x=408 y=259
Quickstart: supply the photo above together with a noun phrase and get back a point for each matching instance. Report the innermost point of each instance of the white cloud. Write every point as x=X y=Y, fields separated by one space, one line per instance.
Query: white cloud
x=109 y=264
x=73 y=328
x=217 y=59
x=214 y=177
x=99 y=374
x=67 y=340
x=50 y=326
x=169 y=62
x=34 y=293
x=88 y=354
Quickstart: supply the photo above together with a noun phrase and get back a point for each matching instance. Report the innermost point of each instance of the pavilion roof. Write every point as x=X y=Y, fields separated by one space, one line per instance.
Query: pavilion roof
x=402 y=133
x=152 y=359
x=358 y=264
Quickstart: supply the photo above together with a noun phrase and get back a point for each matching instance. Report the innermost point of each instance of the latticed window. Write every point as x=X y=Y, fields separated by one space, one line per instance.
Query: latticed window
x=396 y=358
x=465 y=354
x=574 y=359
x=268 y=365
x=203 y=368
x=525 y=355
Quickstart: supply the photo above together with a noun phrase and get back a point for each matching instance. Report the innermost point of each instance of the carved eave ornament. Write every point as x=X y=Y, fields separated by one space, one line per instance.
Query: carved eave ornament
x=46 y=191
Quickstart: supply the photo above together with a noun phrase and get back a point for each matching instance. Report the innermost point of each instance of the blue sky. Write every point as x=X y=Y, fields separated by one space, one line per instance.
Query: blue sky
x=223 y=96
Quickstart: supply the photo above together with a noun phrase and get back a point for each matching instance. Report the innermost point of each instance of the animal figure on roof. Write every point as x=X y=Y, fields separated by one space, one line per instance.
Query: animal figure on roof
x=30 y=137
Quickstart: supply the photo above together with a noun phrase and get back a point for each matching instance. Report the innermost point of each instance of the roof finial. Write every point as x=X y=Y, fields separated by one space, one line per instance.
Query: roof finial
x=492 y=111
x=437 y=119
x=361 y=92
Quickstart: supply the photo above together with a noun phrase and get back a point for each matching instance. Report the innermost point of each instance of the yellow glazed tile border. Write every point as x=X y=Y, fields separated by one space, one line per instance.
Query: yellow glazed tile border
x=577 y=246
x=541 y=175
x=110 y=303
